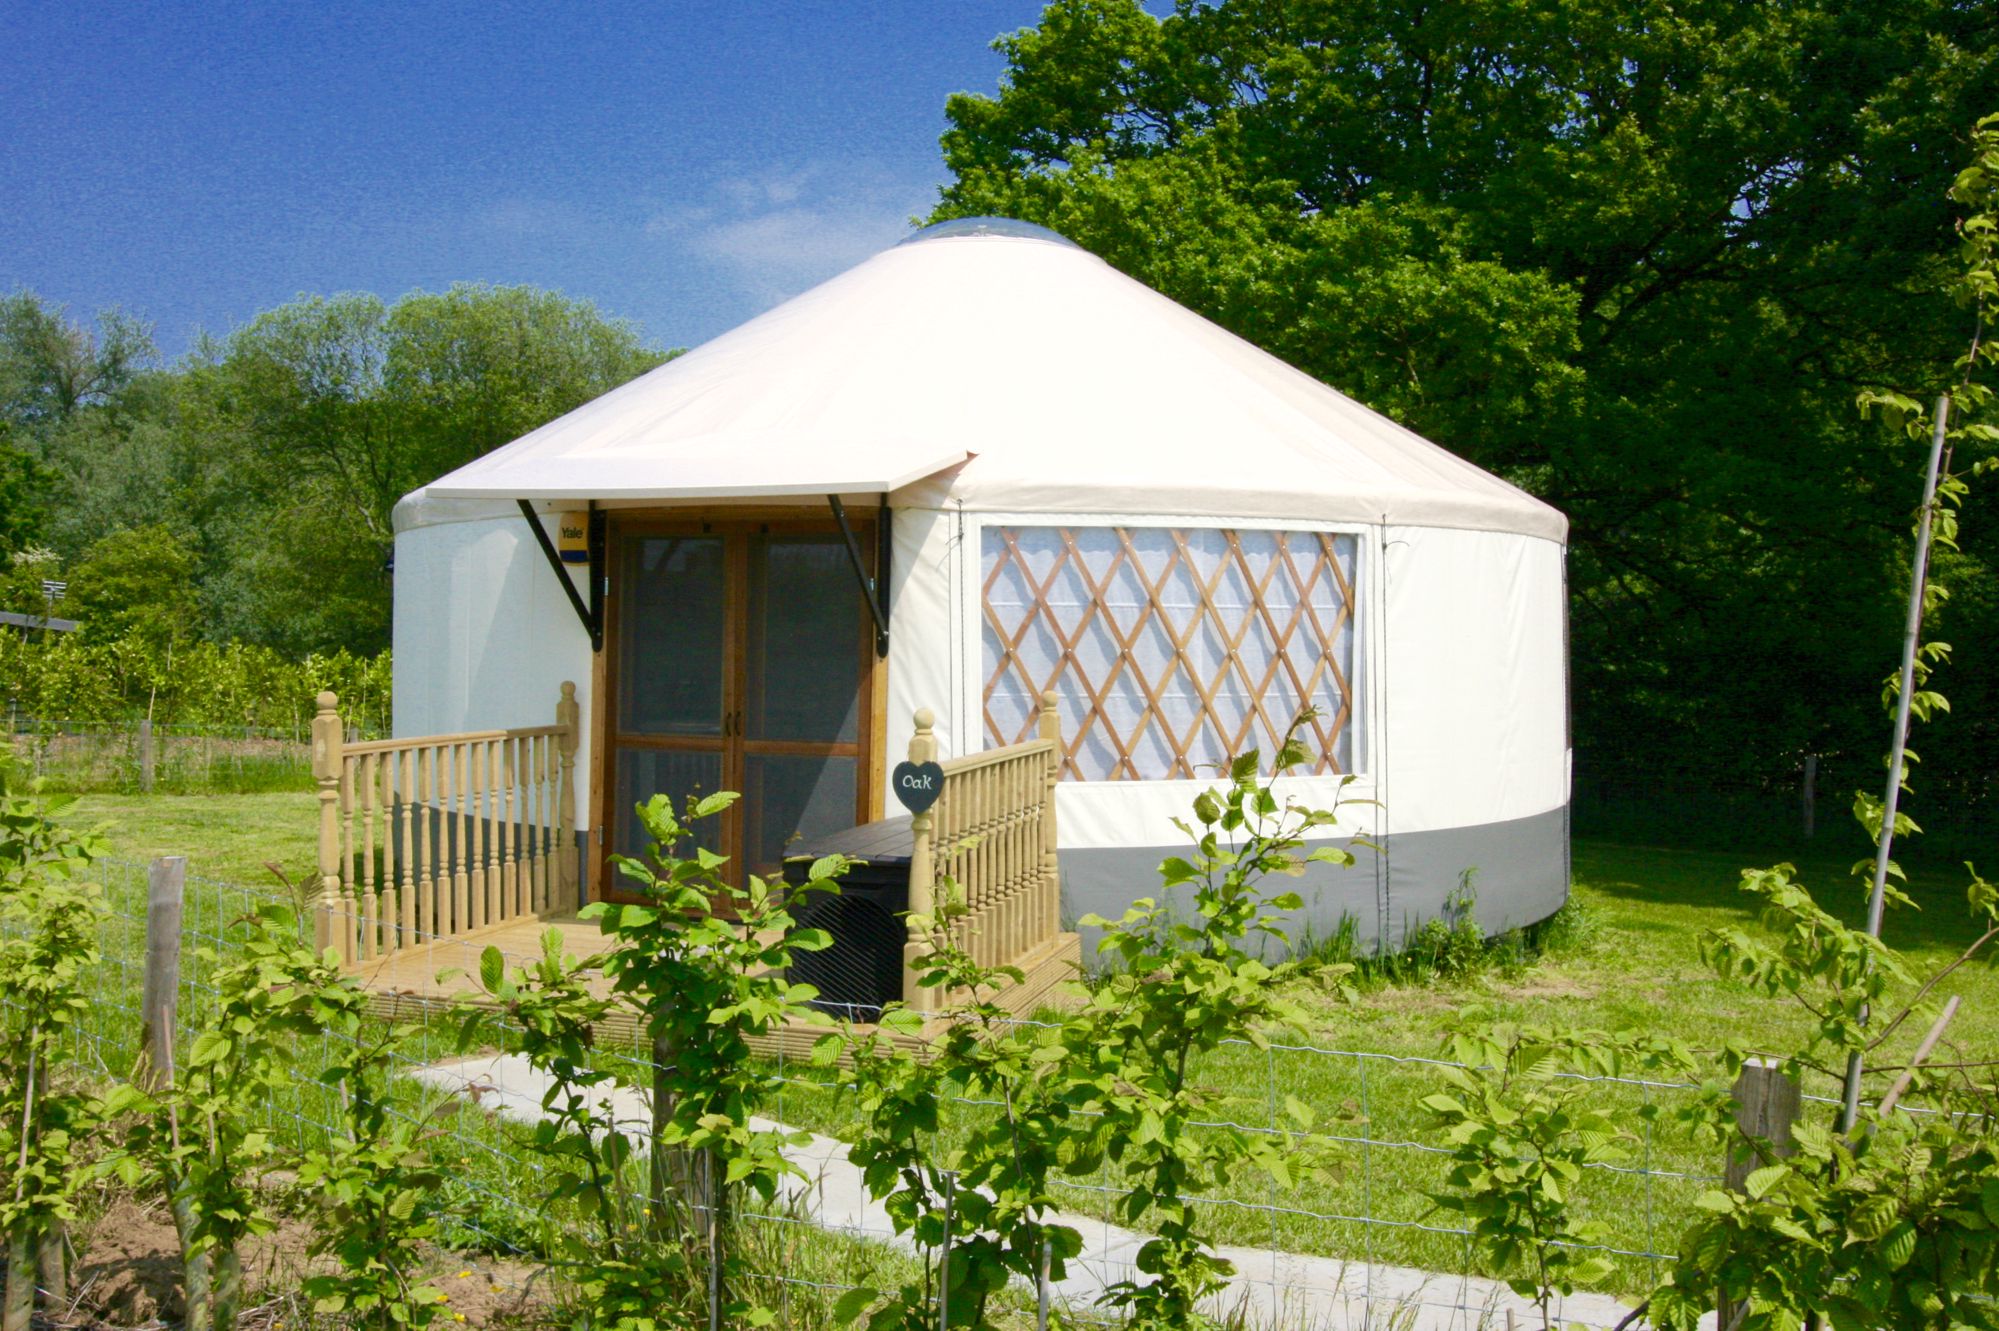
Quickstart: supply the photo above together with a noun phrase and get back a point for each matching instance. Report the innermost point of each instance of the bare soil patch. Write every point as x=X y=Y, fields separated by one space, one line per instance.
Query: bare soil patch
x=128 y=1275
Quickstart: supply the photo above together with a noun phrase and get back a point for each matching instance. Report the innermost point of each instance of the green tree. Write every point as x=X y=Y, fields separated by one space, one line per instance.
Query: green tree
x=1634 y=258
x=379 y=399
x=51 y=367
x=275 y=455
x=136 y=583
x=21 y=578
x=23 y=485
x=338 y=406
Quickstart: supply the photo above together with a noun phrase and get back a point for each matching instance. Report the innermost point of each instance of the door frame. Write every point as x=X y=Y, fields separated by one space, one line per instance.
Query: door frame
x=871 y=737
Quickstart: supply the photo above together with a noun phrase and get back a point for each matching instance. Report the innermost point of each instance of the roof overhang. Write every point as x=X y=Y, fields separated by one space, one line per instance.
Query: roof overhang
x=735 y=467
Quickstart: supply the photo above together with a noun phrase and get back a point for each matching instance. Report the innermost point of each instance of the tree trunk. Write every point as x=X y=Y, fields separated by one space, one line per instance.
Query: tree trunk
x=711 y=1201
x=20 y=1305
x=228 y=1288
x=55 y=1265
x=194 y=1269
x=665 y=1164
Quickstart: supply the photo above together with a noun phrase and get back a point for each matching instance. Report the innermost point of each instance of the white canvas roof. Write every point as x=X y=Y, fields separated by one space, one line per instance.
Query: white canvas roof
x=996 y=366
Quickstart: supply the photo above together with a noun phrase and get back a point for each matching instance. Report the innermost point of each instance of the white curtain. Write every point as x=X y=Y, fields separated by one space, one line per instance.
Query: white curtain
x=1170 y=649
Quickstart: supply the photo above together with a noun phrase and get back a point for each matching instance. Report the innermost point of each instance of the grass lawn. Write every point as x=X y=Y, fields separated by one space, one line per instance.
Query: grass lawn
x=1639 y=966
x=223 y=836
x=1635 y=964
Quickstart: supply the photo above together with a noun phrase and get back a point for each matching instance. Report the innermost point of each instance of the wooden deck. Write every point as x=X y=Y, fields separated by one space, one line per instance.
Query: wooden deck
x=426 y=980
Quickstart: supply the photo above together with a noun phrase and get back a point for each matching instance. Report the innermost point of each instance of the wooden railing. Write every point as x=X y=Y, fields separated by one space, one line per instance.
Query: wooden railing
x=439 y=836
x=992 y=832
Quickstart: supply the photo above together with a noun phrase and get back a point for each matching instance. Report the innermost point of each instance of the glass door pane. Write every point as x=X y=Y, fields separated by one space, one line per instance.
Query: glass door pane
x=803 y=684
x=643 y=773
x=790 y=798
x=670 y=732
x=804 y=672
x=671 y=627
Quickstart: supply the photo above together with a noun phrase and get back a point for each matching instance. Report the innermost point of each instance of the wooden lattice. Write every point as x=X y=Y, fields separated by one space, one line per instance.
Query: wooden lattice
x=1170 y=649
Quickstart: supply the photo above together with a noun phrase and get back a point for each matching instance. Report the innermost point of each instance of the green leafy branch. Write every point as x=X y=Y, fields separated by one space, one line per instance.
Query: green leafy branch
x=703 y=961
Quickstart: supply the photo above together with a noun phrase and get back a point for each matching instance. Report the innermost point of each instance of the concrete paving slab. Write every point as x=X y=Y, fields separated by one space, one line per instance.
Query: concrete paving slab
x=1272 y=1289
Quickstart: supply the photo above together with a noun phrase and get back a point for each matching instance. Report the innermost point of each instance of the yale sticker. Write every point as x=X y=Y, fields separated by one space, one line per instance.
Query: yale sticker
x=572 y=537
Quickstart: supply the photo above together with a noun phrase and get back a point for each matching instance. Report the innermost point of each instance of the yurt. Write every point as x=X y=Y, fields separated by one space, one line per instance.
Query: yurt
x=977 y=468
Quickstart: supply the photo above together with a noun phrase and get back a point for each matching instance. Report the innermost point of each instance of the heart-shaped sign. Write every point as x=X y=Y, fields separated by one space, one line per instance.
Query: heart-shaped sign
x=917 y=785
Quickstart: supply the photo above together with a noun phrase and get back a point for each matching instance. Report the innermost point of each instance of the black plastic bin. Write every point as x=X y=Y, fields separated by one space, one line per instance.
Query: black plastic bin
x=862 y=971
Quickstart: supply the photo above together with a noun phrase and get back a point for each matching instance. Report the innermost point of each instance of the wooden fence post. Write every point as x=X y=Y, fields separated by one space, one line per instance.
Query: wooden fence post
x=1050 y=921
x=166 y=886
x=1808 y=796
x=327 y=739
x=922 y=749
x=570 y=862
x=1766 y=1108
x=146 y=755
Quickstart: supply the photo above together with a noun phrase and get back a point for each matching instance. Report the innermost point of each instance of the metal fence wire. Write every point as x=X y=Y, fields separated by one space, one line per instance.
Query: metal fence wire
x=1366 y=1248
x=145 y=756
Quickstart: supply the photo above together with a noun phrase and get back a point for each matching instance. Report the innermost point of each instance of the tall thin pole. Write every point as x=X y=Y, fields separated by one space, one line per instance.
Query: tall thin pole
x=1884 y=843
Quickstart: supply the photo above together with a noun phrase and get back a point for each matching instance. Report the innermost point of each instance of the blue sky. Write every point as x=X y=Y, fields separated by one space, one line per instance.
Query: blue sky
x=685 y=165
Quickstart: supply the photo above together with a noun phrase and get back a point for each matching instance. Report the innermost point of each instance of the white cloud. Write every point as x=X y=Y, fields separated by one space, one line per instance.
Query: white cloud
x=779 y=231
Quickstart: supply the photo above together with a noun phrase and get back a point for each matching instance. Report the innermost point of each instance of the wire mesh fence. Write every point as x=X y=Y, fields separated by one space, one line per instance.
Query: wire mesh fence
x=96 y=758
x=1788 y=806
x=1365 y=1247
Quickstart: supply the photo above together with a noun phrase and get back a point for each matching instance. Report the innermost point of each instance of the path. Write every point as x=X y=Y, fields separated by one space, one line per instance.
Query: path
x=1291 y=1290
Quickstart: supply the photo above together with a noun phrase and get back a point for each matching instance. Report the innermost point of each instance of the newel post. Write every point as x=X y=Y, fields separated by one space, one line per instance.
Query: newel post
x=1050 y=914
x=568 y=720
x=922 y=894
x=327 y=739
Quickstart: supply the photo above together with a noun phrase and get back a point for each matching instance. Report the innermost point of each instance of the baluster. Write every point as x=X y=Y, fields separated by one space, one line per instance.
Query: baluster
x=542 y=812
x=406 y=870
x=1001 y=880
x=964 y=814
x=530 y=825
x=426 y=793
x=454 y=818
x=1025 y=859
x=475 y=795
x=1002 y=834
x=466 y=902
x=982 y=867
x=489 y=795
x=510 y=878
x=1008 y=833
x=1009 y=837
x=350 y=891
x=371 y=909
x=496 y=833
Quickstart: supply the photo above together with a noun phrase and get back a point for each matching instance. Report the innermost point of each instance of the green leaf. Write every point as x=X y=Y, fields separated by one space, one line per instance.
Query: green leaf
x=901 y=1021
x=852 y=1304
x=1762 y=1180
x=492 y=969
x=1898 y=1246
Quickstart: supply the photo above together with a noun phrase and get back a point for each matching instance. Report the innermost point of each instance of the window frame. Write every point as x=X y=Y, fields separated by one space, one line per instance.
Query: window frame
x=971 y=673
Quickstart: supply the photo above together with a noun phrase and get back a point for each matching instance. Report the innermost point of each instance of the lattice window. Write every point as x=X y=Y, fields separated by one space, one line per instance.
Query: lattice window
x=1170 y=649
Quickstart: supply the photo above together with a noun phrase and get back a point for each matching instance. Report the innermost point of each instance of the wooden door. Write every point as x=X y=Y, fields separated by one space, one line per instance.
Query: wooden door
x=740 y=657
